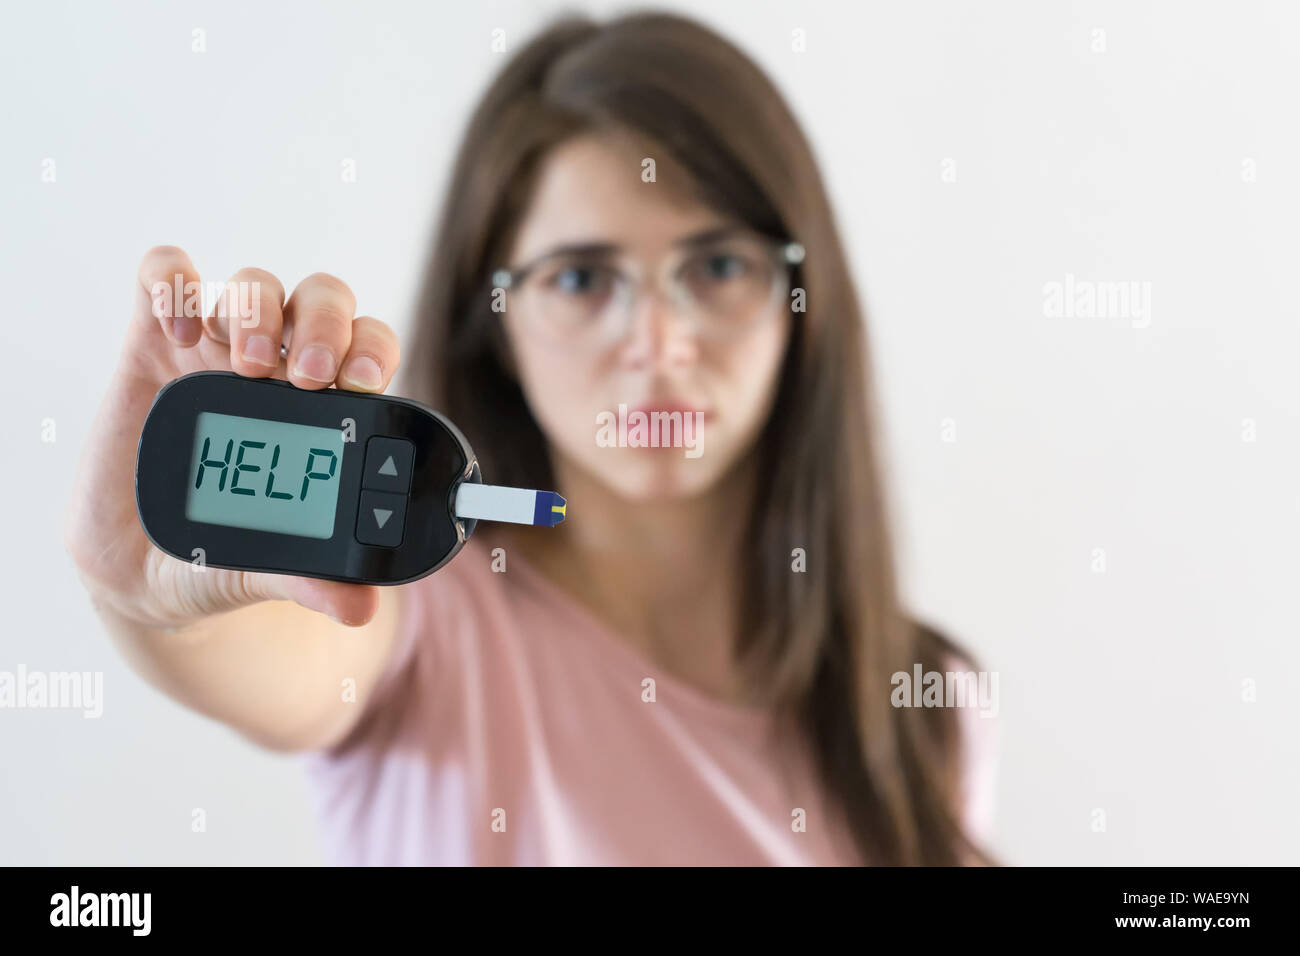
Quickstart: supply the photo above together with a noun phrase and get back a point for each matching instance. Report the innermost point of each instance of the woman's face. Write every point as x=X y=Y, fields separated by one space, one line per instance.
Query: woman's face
x=580 y=356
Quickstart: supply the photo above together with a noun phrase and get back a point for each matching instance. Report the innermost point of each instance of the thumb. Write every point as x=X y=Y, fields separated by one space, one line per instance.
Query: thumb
x=348 y=604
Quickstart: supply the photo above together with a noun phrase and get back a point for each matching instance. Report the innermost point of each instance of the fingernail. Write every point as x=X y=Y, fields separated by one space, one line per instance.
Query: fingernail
x=363 y=372
x=186 y=329
x=260 y=350
x=316 y=362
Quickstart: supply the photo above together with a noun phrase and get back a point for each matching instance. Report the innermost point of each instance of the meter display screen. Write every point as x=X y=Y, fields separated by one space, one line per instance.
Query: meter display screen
x=265 y=475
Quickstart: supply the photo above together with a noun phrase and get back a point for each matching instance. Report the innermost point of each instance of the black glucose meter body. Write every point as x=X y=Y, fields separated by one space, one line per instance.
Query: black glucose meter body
x=258 y=475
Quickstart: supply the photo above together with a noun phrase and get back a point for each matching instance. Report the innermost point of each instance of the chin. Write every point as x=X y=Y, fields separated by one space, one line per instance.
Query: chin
x=659 y=474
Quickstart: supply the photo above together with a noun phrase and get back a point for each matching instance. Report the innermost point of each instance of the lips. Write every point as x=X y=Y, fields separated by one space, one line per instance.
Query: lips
x=668 y=407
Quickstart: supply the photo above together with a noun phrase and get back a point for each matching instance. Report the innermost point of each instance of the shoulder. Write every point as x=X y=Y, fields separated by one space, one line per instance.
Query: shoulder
x=972 y=740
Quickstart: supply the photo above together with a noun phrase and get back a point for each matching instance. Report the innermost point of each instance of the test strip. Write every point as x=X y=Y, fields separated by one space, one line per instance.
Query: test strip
x=516 y=505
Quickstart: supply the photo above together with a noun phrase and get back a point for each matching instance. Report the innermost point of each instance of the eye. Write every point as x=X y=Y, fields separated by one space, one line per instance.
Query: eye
x=580 y=280
x=718 y=266
x=724 y=266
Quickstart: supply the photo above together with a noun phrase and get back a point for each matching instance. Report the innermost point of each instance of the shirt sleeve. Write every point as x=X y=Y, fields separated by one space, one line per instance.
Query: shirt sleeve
x=979 y=747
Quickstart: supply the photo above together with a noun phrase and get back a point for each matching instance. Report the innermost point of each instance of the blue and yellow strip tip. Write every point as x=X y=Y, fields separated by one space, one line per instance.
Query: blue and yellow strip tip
x=549 y=509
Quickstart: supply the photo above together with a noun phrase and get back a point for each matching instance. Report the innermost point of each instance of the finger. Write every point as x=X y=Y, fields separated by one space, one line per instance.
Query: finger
x=349 y=604
x=320 y=311
x=169 y=295
x=249 y=317
x=372 y=358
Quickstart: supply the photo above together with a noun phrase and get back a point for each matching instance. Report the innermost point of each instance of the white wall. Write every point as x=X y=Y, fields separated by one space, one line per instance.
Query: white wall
x=1120 y=690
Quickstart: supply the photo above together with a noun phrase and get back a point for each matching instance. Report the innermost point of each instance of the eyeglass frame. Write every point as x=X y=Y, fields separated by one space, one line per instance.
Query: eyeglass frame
x=790 y=252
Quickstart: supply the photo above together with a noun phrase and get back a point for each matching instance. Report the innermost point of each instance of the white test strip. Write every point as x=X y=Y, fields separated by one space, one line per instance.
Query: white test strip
x=516 y=505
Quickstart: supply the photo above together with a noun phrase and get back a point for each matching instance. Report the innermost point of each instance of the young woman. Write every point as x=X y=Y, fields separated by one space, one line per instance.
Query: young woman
x=695 y=667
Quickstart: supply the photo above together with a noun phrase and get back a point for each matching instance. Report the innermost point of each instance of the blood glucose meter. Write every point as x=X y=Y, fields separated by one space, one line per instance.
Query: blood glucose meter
x=258 y=475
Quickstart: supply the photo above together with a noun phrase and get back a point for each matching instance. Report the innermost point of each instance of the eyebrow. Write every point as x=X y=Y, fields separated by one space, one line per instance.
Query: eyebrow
x=597 y=248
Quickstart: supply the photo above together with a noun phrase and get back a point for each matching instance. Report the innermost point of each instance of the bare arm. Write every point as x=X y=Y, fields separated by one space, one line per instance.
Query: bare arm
x=273 y=671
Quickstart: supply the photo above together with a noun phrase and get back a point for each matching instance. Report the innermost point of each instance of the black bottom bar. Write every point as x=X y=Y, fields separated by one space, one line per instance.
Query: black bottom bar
x=333 y=906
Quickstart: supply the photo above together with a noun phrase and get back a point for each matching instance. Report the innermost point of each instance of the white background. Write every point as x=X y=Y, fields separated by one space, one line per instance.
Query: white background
x=1120 y=691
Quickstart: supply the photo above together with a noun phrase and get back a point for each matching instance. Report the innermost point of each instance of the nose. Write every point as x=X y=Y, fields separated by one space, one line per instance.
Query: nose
x=659 y=333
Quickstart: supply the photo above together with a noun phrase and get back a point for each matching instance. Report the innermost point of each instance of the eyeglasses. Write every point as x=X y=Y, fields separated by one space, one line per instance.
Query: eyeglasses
x=723 y=285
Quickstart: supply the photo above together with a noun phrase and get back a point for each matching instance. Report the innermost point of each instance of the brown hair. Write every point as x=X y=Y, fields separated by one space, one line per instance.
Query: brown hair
x=820 y=646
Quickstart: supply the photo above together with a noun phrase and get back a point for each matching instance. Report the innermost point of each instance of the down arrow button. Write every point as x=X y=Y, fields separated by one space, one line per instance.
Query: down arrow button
x=380 y=518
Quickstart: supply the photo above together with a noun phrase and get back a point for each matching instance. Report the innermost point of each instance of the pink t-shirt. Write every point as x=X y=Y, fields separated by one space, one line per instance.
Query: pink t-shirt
x=510 y=728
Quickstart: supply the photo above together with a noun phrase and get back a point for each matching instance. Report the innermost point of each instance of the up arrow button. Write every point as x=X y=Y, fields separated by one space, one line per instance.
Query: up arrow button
x=389 y=465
